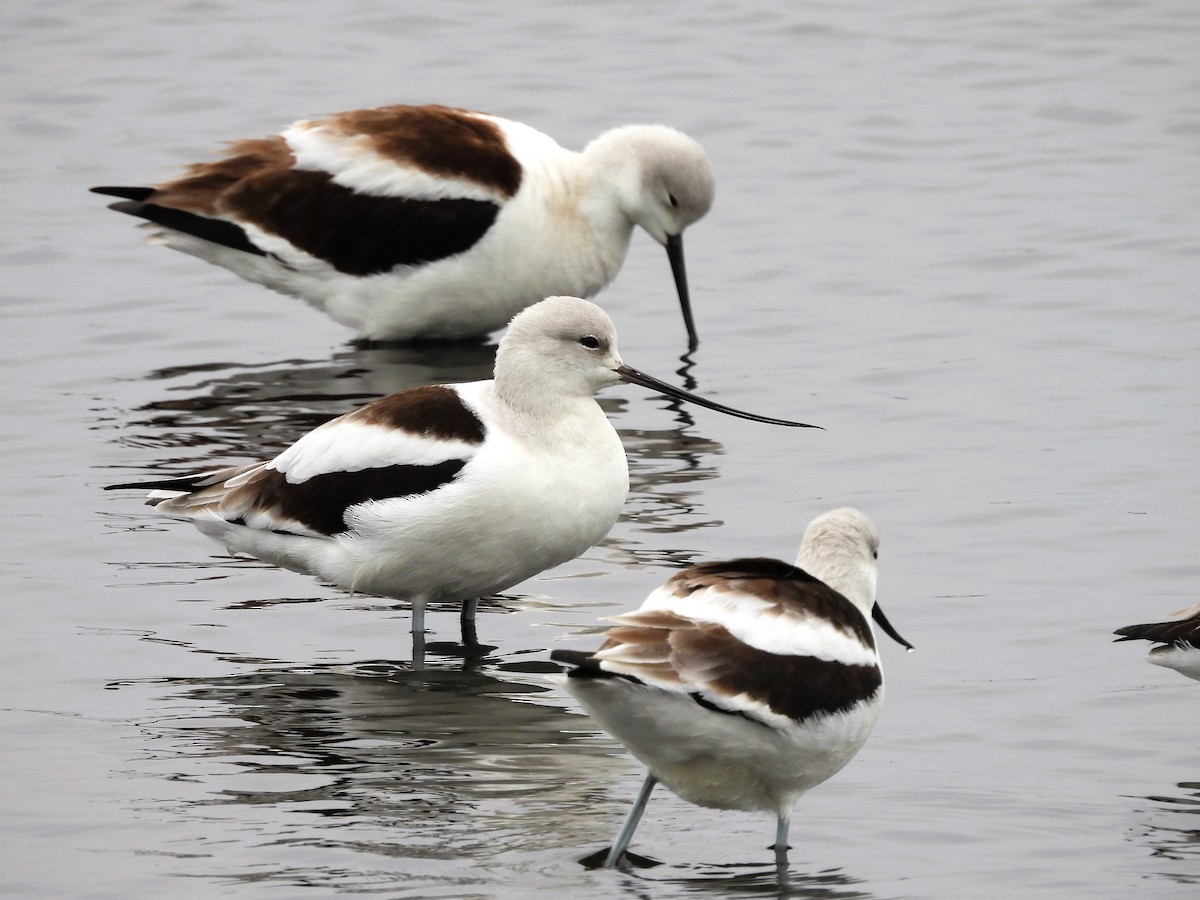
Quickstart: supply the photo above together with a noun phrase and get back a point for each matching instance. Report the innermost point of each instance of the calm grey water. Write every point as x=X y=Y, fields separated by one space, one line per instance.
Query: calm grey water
x=961 y=236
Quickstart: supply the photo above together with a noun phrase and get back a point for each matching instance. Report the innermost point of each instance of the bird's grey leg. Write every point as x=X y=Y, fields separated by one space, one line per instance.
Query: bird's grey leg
x=470 y=637
x=631 y=822
x=781 y=844
x=418 y=635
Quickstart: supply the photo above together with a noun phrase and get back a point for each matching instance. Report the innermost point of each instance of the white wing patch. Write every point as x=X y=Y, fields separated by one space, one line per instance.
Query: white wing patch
x=354 y=164
x=748 y=618
x=344 y=445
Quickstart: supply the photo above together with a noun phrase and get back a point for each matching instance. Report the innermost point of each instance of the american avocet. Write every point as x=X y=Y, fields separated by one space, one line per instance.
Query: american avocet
x=444 y=493
x=1178 y=641
x=412 y=222
x=743 y=684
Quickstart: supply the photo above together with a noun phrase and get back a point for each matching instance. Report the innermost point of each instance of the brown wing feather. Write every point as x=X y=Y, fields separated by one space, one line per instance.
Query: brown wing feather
x=794 y=686
x=786 y=589
x=257 y=182
x=261 y=494
x=707 y=660
x=204 y=187
x=439 y=140
x=1163 y=632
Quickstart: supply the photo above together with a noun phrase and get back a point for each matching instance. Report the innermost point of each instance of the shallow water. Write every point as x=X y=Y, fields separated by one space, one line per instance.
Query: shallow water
x=960 y=237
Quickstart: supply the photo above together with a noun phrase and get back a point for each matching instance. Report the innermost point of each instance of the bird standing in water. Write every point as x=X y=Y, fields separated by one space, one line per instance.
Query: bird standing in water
x=744 y=684
x=426 y=222
x=445 y=493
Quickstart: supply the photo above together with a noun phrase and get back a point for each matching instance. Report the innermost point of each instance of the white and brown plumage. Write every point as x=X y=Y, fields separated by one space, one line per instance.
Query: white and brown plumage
x=411 y=222
x=743 y=684
x=444 y=493
x=1177 y=641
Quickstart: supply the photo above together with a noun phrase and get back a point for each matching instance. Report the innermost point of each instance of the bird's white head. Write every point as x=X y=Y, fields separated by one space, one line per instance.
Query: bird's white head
x=560 y=348
x=659 y=179
x=841 y=548
x=662 y=177
x=564 y=349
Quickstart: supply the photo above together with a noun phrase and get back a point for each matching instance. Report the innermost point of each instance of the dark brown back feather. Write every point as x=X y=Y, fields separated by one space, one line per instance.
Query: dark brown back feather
x=431 y=410
x=794 y=686
x=357 y=234
x=439 y=140
x=791 y=588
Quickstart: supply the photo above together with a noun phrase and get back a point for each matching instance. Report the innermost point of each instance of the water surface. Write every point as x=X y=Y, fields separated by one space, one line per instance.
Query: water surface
x=961 y=237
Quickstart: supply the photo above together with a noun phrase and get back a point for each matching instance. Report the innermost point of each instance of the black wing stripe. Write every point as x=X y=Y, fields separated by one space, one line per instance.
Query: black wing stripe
x=320 y=502
x=798 y=687
x=127 y=193
x=359 y=234
x=1162 y=632
x=216 y=231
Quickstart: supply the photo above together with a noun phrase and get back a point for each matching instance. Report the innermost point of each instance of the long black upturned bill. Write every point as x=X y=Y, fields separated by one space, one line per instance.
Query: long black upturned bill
x=675 y=256
x=878 y=616
x=633 y=376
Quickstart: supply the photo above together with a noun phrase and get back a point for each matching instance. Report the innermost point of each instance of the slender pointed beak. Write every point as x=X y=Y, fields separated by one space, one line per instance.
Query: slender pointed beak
x=631 y=375
x=675 y=256
x=878 y=616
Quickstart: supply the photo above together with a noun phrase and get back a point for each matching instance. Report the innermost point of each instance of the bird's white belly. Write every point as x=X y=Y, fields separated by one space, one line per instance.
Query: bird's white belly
x=527 y=255
x=726 y=761
x=480 y=290
x=1184 y=660
x=509 y=516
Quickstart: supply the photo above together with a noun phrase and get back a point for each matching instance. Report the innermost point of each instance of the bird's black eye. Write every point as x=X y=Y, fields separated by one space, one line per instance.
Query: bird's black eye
x=590 y=341
x=673 y=201
x=875 y=554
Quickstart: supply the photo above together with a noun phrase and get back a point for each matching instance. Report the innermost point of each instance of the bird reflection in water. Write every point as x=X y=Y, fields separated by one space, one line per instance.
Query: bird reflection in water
x=375 y=759
x=369 y=775
x=1173 y=833
x=751 y=880
x=231 y=410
